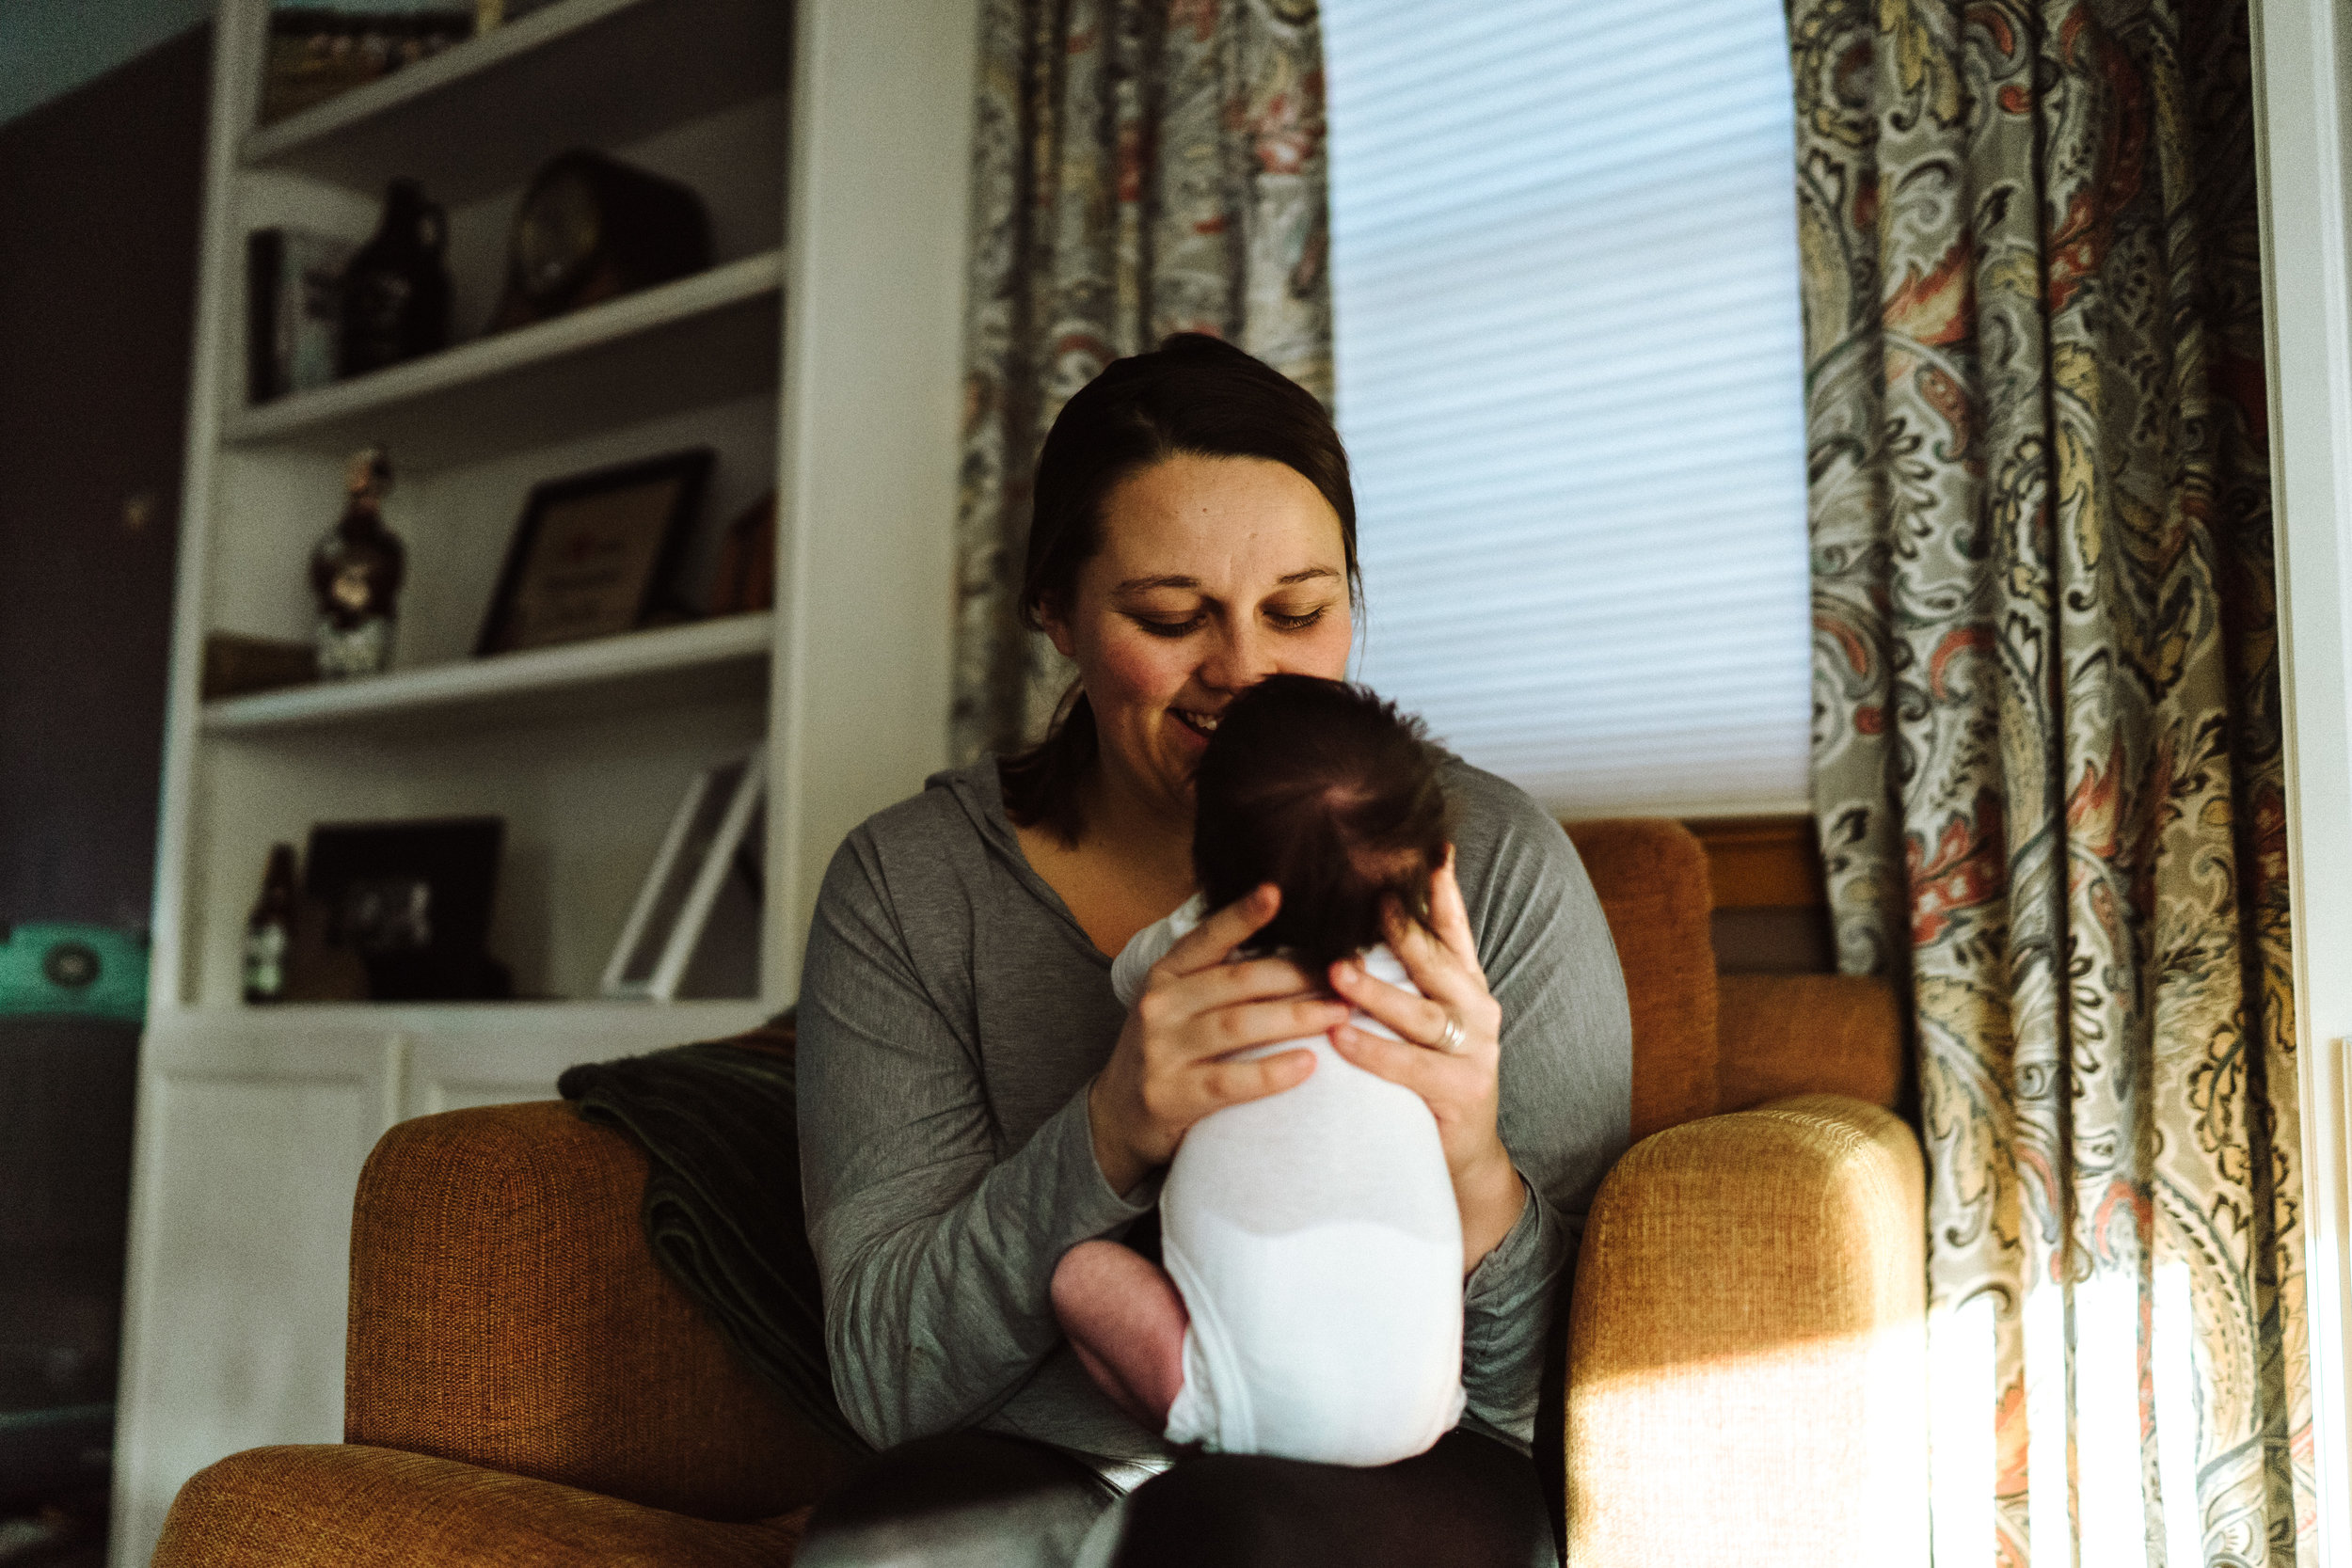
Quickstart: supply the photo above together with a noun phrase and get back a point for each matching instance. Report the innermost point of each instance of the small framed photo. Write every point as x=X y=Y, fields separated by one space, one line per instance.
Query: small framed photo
x=596 y=554
x=703 y=856
x=412 y=900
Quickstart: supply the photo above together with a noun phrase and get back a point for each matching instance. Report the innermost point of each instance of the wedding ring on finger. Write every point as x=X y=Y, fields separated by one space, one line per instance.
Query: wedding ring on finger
x=1455 y=1039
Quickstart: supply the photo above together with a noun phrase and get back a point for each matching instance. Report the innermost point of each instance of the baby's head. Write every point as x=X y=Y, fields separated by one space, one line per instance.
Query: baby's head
x=1329 y=793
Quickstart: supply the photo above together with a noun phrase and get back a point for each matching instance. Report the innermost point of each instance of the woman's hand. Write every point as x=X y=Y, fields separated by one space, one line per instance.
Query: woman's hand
x=1168 y=1071
x=1450 y=1053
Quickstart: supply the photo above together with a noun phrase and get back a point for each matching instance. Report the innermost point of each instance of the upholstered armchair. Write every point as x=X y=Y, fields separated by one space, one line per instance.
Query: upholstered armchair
x=1744 y=1381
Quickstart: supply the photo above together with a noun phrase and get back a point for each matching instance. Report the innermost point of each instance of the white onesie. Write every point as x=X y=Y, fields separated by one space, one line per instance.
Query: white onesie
x=1316 y=1241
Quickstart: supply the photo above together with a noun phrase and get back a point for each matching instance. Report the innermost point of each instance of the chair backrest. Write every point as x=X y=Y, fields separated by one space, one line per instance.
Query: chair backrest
x=1651 y=876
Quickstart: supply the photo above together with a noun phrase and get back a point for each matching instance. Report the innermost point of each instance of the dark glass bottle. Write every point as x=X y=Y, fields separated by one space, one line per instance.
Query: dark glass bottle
x=269 y=929
x=356 y=573
x=395 y=289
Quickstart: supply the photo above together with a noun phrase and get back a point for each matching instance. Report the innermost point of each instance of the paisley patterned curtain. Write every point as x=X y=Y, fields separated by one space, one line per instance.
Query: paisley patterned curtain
x=1140 y=167
x=2047 y=745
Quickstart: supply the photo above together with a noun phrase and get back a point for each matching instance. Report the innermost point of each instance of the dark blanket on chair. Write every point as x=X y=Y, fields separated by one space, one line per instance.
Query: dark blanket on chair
x=723 y=1200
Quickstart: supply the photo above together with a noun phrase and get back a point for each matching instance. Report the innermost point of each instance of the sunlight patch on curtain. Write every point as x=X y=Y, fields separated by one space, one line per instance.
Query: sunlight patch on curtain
x=2175 y=1377
x=2107 y=1421
x=2049 y=1482
x=1965 y=1454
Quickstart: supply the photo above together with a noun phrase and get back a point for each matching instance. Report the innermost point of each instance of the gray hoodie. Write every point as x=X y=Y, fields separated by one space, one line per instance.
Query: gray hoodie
x=951 y=1016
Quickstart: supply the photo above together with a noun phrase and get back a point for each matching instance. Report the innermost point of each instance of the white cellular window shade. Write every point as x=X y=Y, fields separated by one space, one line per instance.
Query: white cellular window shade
x=1570 y=379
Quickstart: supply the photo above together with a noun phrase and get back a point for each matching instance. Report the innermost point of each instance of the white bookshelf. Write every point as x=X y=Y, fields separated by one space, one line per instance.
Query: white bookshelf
x=820 y=357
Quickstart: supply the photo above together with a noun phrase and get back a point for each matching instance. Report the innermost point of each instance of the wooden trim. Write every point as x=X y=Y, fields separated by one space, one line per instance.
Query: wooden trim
x=1756 y=863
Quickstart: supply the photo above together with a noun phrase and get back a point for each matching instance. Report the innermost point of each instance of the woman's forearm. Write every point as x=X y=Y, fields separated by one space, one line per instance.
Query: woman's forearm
x=1507 y=1307
x=1491 y=1196
x=1123 y=1169
x=934 y=1313
x=936 y=1245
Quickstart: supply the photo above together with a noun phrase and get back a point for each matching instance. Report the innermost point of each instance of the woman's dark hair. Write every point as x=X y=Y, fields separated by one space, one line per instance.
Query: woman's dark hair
x=1330 y=794
x=1193 y=396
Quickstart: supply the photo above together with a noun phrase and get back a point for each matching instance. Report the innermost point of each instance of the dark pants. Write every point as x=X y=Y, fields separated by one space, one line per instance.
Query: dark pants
x=979 y=1499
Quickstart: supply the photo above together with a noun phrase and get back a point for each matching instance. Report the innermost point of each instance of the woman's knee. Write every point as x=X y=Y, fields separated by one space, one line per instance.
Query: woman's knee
x=1238 y=1510
x=962 y=1499
x=1467 y=1502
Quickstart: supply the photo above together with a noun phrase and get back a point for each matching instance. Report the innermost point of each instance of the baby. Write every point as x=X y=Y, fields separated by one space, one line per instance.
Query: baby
x=1311 y=1306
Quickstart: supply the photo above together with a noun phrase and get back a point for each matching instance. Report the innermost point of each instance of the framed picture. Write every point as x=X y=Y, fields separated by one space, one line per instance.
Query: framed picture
x=709 y=851
x=596 y=554
x=412 y=901
x=293 y=310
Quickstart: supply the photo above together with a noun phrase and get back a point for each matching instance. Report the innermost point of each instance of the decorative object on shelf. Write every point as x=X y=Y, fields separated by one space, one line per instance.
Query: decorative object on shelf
x=290 y=954
x=289 y=951
x=318 y=51
x=69 y=969
x=598 y=553
x=269 y=929
x=711 y=852
x=745 y=581
x=319 y=969
x=589 y=228
x=238 y=666
x=395 y=293
x=356 y=574
x=293 y=310
x=412 y=900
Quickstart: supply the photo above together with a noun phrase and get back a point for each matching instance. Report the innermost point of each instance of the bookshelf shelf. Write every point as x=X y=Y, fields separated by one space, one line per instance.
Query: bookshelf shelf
x=582 y=73
x=697 y=341
x=292 y=1021
x=709 y=658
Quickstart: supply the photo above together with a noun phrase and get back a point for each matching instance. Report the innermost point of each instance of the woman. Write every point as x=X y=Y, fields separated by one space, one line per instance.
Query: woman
x=975 y=1102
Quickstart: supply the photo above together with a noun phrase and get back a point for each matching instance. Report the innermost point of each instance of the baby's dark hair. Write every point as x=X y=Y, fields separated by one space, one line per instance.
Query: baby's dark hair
x=1329 y=793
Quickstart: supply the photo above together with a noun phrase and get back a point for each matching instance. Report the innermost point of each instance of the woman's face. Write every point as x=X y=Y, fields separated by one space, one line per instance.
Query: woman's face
x=1214 y=573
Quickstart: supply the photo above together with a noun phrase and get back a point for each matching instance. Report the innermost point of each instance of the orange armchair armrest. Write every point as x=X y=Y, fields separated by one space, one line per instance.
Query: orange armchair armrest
x=343 y=1506
x=1747 y=1372
x=506 y=1312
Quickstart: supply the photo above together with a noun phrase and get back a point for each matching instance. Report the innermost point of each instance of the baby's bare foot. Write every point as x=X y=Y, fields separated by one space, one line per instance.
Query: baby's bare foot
x=1126 y=1323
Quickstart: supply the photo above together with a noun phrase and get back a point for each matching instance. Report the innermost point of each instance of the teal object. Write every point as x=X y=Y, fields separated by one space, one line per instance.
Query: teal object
x=62 y=968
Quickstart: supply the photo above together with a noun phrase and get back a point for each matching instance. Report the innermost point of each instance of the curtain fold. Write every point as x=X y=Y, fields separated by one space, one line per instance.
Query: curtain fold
x=1139 y=168
x=2046 y=748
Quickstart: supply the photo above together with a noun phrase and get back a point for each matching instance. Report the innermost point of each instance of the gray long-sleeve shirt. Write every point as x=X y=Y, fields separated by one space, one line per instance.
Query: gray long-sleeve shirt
x=952 y=1013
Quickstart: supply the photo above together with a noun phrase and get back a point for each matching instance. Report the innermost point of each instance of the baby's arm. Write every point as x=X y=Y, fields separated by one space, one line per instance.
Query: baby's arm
x=1126 y=1322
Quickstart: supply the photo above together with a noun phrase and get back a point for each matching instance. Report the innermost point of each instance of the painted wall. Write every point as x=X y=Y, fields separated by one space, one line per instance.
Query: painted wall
x=48 y=47
x=2304 y=99
x=101 y=190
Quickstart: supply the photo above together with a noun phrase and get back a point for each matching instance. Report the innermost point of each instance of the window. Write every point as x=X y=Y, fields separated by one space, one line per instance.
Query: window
x=1570 y=378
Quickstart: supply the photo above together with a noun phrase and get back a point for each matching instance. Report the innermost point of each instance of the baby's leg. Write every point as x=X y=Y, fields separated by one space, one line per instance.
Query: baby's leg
x=1126 y=1322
